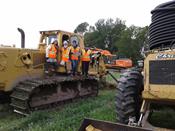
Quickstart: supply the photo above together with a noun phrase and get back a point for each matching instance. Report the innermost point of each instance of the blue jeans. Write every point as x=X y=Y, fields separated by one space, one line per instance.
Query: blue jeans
x=74 y=64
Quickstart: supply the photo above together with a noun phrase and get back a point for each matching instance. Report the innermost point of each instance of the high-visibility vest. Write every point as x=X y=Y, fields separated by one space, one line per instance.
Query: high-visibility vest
x=75 y=52
x=86 y=55
x=52 y=52
x=65 y=54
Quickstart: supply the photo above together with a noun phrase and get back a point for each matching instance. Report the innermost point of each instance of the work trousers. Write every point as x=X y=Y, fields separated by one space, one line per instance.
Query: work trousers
x=51 y=64
x=85 y=67
x=74 y=64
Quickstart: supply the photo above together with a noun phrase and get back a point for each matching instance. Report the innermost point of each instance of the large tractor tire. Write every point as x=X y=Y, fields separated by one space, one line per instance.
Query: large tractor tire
x=128 y=98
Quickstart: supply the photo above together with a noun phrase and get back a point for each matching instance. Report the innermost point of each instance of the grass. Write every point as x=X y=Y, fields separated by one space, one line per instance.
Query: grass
x=108 y=82
x=65 y=118
x=110 y=79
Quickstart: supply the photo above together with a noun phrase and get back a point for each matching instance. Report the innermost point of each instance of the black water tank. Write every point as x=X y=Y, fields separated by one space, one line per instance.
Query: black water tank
x=162 y=28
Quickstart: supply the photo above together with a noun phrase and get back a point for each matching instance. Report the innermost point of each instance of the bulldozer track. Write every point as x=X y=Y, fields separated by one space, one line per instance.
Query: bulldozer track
x=43 y=93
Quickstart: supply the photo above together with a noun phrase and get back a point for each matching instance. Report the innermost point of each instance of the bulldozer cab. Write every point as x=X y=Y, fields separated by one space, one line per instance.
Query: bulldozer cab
x=48 y=37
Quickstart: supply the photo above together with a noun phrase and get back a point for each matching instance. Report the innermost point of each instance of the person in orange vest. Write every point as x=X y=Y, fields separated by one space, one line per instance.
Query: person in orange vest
x=51 y=56
x=85 y=58
x=65 y=50
x=74 y=56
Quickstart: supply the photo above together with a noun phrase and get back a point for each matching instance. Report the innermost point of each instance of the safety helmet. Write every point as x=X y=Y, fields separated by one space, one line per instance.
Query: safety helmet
x=55 y=42
x=65 y=43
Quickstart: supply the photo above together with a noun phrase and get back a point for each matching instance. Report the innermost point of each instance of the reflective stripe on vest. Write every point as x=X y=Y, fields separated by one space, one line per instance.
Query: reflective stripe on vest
x=75 y=52
x=52 y=52
x=86 y=55
x=65 y=54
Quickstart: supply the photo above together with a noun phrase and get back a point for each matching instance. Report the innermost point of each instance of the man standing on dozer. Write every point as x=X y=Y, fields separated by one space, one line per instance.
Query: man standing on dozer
x=51 y=57
x=85 y=58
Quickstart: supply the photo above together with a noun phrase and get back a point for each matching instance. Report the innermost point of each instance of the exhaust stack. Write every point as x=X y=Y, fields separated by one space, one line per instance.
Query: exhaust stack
x=22 y=37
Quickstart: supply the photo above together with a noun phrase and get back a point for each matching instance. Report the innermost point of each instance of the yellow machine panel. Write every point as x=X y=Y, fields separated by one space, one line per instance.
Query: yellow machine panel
x=159 y=74
x=19 y=64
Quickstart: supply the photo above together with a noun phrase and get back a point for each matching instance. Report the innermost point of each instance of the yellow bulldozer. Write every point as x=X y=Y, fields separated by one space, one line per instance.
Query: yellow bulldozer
x=23 y=81
x=153 y=85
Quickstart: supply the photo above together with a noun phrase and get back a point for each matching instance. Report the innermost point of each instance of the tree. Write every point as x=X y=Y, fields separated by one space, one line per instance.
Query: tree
x=105 y=34
x=131 y=42
x=81 y=28
x=116 y=37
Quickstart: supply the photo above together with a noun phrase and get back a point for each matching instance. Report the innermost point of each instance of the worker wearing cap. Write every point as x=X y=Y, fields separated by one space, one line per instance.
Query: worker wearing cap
x=74 y=56
x=85 y=58
x=51 y=56
x=65 y=50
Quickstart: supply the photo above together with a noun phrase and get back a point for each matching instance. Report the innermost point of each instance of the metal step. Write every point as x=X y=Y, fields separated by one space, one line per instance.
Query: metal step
x=26 y=88
x=16 y=106
x=19 y=98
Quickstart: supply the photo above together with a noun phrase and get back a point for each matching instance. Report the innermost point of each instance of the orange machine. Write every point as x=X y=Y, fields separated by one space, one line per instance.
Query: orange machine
x=123 y=63
x=112 y=62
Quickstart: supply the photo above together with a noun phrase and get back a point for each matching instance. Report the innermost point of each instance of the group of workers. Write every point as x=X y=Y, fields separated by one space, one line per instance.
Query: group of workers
x=73 y=54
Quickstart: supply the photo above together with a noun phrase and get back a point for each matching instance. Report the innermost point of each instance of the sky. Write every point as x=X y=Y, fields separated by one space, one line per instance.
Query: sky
x=35 y=15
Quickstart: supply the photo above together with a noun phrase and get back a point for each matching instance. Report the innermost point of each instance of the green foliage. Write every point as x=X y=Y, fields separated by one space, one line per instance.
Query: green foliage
x=131 y=42
x=116 y=37
x=64 y=118
x=81 y=28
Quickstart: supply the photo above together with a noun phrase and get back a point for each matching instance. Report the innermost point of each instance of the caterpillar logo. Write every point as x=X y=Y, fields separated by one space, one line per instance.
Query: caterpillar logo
x=165 y=56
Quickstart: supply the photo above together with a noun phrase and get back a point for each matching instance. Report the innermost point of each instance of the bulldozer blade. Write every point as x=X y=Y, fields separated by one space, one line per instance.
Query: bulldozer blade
x=108 y=126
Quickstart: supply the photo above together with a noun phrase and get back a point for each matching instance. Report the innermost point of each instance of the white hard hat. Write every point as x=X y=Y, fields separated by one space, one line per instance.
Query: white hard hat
x=65 y=42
